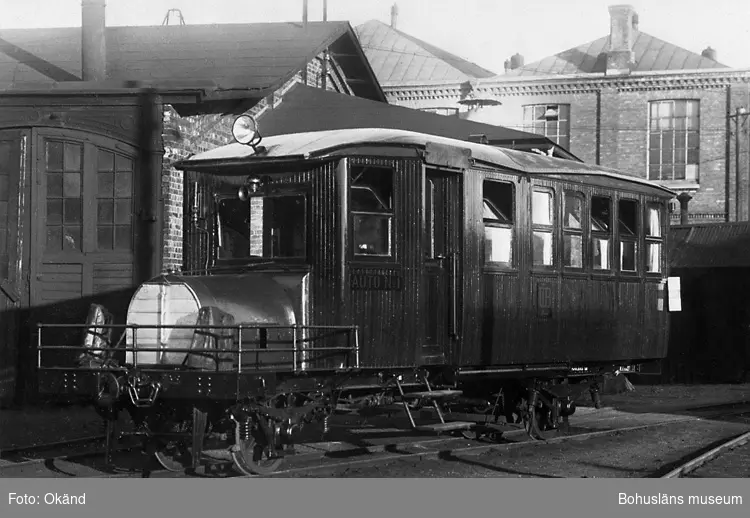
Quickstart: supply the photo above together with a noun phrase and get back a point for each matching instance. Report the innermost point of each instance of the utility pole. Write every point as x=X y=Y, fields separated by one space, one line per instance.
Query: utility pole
x=738 y=112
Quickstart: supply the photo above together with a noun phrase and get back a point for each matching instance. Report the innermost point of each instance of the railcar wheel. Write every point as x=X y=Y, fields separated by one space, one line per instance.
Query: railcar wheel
x=251 y=458
x=173 y=457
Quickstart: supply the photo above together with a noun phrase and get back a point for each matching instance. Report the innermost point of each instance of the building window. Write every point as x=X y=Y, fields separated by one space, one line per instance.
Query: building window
x=372 y=210
x=64 y=161
x=628 y=232
x=550 y=120
x=114 y=202
x=499 y=210
x=542 y=219
x=441 y=111
x=601 y=231
x=573 y=231
x=673 y=140
x=653 y=238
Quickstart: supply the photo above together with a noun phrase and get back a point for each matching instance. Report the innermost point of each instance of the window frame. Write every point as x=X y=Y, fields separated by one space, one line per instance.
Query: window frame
x=571 y=231
x=654 y=240
x=550 y=229
x=559 y=137
x=609 y=234
x=688 y=129
x=635 y=239
x=391 y=257
x=512 y=226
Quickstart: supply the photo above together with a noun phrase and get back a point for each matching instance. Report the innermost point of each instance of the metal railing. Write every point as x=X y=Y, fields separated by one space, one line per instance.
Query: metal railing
x=302 y=344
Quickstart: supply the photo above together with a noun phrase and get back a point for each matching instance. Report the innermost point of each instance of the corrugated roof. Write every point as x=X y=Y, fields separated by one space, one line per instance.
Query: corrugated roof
x=651 y=54
x=255 y=56
x=306 y=109
x=397 y=57
x=323 y=143
x=711 y=245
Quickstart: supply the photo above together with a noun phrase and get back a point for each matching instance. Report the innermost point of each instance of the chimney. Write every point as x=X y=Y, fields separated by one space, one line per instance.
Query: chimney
x=93 y=41
x=516 y=61
x=623 y=25
x=394 y=16
x=709 y=53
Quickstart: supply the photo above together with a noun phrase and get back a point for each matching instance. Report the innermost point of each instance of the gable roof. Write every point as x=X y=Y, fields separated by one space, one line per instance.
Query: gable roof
x=243 y=58
x=651 y=54
x=397 y=57
x=710 y=245
x=305 y=109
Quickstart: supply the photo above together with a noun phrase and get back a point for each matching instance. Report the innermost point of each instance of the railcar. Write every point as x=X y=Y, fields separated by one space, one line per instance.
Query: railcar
x=349 y=270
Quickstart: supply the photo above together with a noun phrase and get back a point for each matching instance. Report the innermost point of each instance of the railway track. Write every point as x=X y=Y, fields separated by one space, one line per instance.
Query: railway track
x=725 y=448
x=421 y=449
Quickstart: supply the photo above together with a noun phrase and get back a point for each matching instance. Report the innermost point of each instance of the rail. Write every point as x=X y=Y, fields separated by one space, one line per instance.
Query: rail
x=219 y=342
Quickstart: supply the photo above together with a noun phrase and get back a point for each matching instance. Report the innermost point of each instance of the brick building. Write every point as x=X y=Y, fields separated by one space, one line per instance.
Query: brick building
x=627 y=100
x=91 y=120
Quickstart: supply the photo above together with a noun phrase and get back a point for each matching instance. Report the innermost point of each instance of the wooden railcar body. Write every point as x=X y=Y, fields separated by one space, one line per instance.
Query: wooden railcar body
x=435 y=296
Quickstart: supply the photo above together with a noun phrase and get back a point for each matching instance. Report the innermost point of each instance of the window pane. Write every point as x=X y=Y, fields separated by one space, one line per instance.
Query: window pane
x=106 y=161
x=691 y=172
x=498 y=202
x=72 y=185
x=372 y=189
x=105 y=212
x=54 y=238
x=573 y=251
x=372 y=235
x=498 y=245
x=601 y=214
x=654 y=222
x=73 y=154
x=54 y=212
x=627 y=256
x=123 y=237
x=628 y=217
x=123 y=185
x=72 y=238
x=654 y=258
x=601 y=253
x=104 y=237
x=106 y=183
x=123 y=211
x=542 y=255
x=54 y=185
x=54 y=156
x=573 y=211
x=72 y=210
x=541 y=208
x=124 y=163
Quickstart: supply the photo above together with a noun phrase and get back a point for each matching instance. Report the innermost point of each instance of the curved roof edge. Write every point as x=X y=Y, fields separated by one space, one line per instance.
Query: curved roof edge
x=318 y=144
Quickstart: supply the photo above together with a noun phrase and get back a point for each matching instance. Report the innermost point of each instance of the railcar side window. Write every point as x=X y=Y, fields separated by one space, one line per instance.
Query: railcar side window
x=372 y=210
x=628 y=229
x=653 y=239
x=266 y=226
x=542 y=218
x=498 y=217
x=573 y=231
x=601 y=231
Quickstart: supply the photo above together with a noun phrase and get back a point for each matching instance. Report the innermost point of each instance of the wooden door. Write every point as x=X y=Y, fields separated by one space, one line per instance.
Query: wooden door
x=82 y=242
x=441 y=300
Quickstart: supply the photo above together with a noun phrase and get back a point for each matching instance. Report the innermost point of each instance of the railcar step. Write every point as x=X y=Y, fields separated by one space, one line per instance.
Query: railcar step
x=433 y=394
x=444 y=427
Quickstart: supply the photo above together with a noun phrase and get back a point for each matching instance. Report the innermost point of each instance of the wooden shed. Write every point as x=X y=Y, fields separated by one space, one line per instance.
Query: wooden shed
x=710 y=338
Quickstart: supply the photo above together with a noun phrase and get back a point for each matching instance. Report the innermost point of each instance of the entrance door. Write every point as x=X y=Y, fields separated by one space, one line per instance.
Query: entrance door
x=442 y=243
x=82 y=242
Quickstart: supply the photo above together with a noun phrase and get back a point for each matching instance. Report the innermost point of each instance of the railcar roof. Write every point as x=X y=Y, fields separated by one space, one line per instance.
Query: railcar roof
x=319 y=144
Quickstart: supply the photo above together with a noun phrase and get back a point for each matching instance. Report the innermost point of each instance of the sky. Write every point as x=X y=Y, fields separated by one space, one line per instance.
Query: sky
x=486 y=32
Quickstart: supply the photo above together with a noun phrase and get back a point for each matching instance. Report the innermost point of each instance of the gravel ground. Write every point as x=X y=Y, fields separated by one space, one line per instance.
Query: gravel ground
x=624 y=455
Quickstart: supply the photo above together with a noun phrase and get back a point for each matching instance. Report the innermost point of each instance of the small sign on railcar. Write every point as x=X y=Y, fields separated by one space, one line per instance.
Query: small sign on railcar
x=368 y=280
